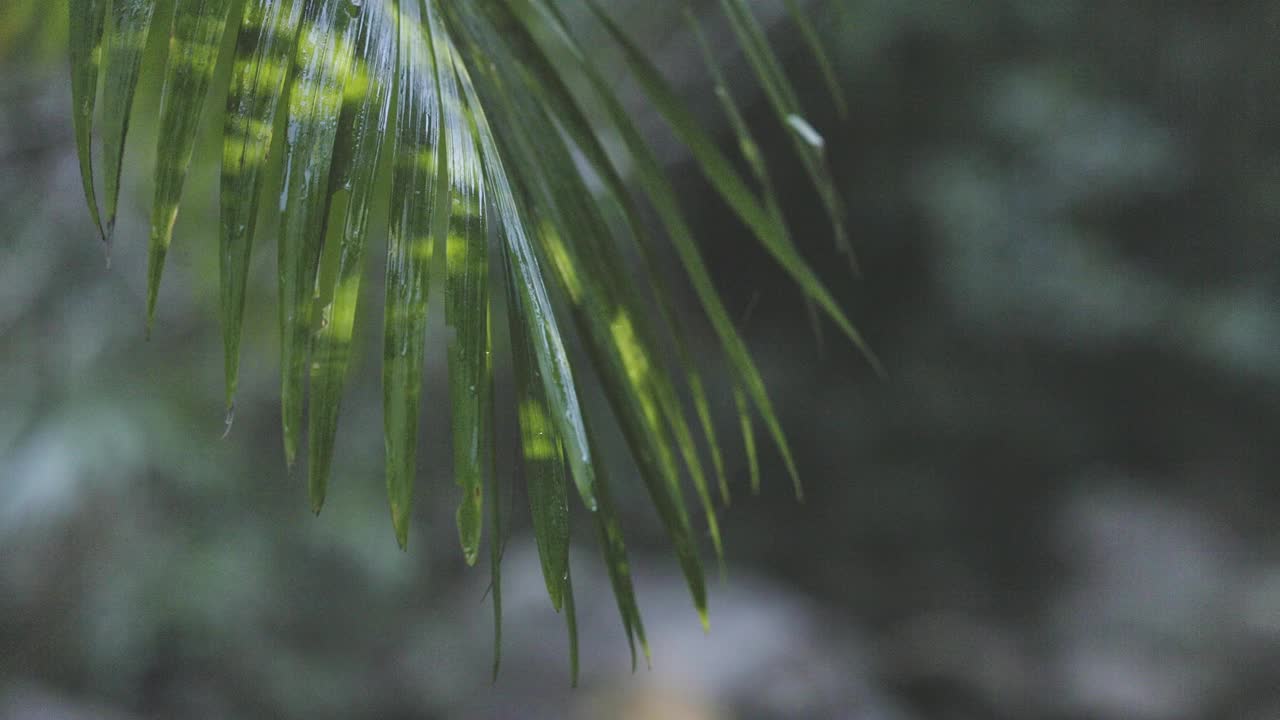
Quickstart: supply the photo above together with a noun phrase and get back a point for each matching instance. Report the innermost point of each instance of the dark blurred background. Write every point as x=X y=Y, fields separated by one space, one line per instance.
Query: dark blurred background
x=1062 y=503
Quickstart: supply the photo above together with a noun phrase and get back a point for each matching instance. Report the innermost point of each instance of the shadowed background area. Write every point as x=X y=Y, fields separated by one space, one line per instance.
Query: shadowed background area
x=1061 y=503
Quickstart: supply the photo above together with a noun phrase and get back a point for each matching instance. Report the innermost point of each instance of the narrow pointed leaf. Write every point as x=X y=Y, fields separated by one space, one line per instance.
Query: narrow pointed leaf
x=748 y=438
x=782 y=97
x=323 y=63
x=194 y=41
x=543 y=455
x=571 y=621
x=614 y=549
x=264 y=52
x=717 y=168
x=352 y=179
x=703 y=408
x=531 y=298
x=87 y=18
x=604 y=305
x=820 y=55
x=667 y=205
x=563 y=106
x=495 y=553
x=416 y=210
x=466 y=302
x=750 y=150
x=128 y=23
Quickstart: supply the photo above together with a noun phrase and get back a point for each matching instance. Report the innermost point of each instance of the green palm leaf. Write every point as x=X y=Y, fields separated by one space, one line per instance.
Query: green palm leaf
x=482 y=112
x=85 y=40
x=357 y=156
x=194 y=40
x=127 y=26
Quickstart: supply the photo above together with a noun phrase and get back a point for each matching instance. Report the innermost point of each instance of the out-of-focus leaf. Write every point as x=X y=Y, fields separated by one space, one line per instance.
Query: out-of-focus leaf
x=665 y=202
x=356 y=160
x=820 y=55
x=767 y=226
x=466 y=301
x=264 y=52
x=128 y=23
x=755 y=160
x=496 y=539
x=323 y=63
x=87 y=18
x=614 y=549
x=571 y=620
x=748 y=438
x=194 y=41
x=419 y=214
x=782 y=97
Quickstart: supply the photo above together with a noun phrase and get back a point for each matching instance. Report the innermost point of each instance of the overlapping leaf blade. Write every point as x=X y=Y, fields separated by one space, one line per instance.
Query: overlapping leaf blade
x=530 y=297
x=543 y=455
x=659 y=191
x=418 y=216
x=264 y=53
x=559 y=102
x=764 y=223
x=125 y=38
x=605 y=306
x=195 y=38
x=321 y=68
x=466 y=299
x=569 y=235
x=354 y=170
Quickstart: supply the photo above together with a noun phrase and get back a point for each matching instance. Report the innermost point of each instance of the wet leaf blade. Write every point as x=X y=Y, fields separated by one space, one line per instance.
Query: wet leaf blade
x=264 y=52
x=125 y=38
x=608 y=310
x=561 y=103
x=356 y=163
x=530 y=294
x=195 y=38
x=664 y=199
x=415 y=201
x=466 y=299
x=542 y=451
x=87 y=20
x=315 y=97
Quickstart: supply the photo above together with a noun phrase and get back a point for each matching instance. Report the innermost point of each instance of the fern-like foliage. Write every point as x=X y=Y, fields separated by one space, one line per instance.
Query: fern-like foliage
x=479 y=107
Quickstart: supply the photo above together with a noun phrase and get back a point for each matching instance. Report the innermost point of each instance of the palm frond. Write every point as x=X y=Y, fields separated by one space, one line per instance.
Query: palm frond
x=481 y=110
